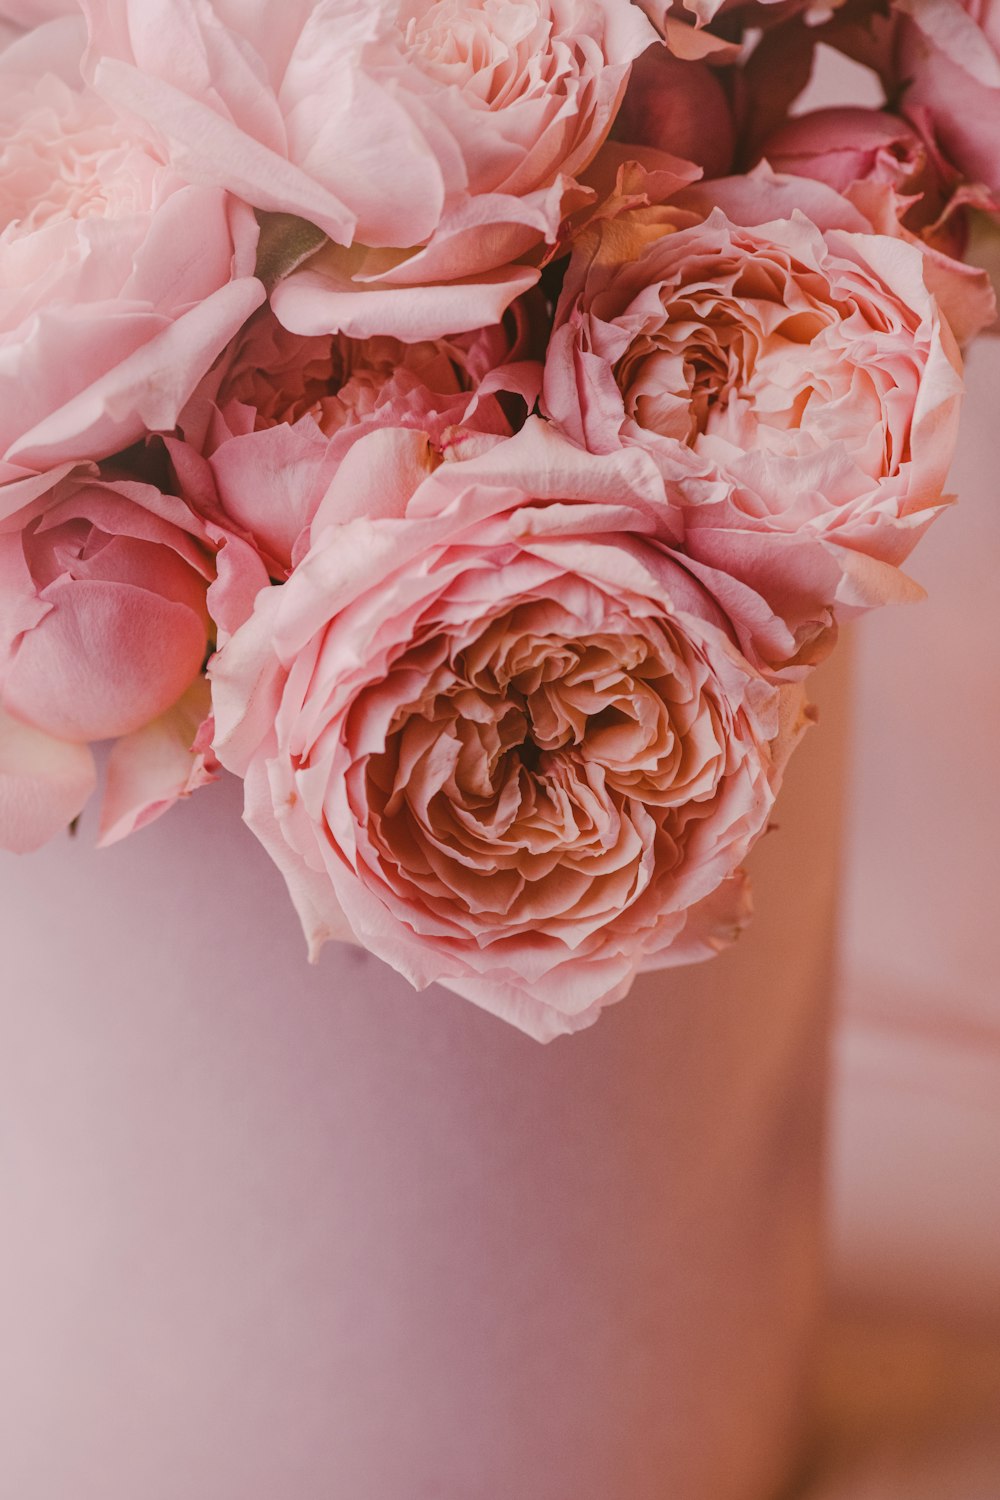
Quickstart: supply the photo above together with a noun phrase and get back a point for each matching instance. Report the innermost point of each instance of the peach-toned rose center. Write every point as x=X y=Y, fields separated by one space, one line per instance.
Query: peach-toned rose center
x=759 y=358
x=532 y=772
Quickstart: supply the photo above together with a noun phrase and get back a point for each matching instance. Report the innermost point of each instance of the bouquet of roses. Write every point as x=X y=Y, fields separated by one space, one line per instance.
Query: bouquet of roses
x=469 y=422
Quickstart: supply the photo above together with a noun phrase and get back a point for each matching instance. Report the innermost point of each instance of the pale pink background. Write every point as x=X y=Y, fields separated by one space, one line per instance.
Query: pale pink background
x=278 y=1231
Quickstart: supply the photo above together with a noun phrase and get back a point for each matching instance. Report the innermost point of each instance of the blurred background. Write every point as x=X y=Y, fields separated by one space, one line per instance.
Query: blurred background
x=912 y=1374
x=914 y=1367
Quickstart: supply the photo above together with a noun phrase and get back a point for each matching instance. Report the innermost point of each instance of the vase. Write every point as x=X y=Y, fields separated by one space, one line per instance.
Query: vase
x=273 y=1230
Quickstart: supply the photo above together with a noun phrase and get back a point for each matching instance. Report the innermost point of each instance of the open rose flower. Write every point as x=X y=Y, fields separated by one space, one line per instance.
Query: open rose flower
x=436 y=143
x=119 y=283
x=104 y=629
x=791 y=374
x=492 y=730
x=275 y=418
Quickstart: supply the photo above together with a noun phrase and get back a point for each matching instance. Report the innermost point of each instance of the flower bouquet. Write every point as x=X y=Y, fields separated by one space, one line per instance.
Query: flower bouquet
x=470 y=424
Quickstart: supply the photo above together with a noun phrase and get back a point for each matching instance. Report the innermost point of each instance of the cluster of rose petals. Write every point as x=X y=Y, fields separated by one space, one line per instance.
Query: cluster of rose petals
x=104 y=625
x=791 y=375
x=493 y=730
x=511 y=695
x=436 y=142
x=275 y=418
x=119 y=282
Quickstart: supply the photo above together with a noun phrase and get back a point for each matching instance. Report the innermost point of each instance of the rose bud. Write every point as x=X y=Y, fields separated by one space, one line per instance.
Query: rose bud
x=104 y=622
x=678 y=107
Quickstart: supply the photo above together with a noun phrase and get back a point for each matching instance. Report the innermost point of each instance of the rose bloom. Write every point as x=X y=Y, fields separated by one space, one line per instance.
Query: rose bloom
x=892 y=170
x=104 y=629
x=793 y=375
x=276 y=416
x=947 y=58
x=119 y=284
x=842 y=146
x=491 y=729
x=436 y=142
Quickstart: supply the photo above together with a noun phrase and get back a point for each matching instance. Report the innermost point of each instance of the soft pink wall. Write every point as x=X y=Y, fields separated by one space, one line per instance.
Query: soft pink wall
x=917 y=1161
x=272 y=1231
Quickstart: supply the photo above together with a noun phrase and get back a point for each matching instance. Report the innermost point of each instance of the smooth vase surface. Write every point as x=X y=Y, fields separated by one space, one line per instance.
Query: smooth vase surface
x=272 y=1230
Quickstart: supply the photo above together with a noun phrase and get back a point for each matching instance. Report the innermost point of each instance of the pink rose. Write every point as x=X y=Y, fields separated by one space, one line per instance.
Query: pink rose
x=104 y=630
x=491 y=729
x=119 y=284
x=437 y=144
x=276 y=416
x=791 y=376
x=104 y=620
x=843 y=146
x=678 y=107
x=867 y=154
x=947 y=60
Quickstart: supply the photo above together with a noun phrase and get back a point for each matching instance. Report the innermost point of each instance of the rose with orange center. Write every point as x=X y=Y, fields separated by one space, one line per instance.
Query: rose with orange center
x=274 y=419
x=493 y=730
x=437 y=144
x=793 y=375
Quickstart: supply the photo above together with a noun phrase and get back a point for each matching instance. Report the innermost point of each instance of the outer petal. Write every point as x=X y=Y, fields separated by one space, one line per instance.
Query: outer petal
x=148 y=771
x=323 y=298
x=44 y=784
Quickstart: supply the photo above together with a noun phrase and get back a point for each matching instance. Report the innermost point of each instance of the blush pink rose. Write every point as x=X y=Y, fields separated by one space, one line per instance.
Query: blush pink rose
x=437 y=143
x=119 y=283
x=794 y=380
x=104 y=629
x=491 y=729
x=276 y=416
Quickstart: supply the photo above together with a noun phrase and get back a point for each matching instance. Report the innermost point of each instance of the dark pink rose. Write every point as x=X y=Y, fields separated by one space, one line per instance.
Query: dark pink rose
x=947 y=62
x=842 y=146
x=678 y=107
